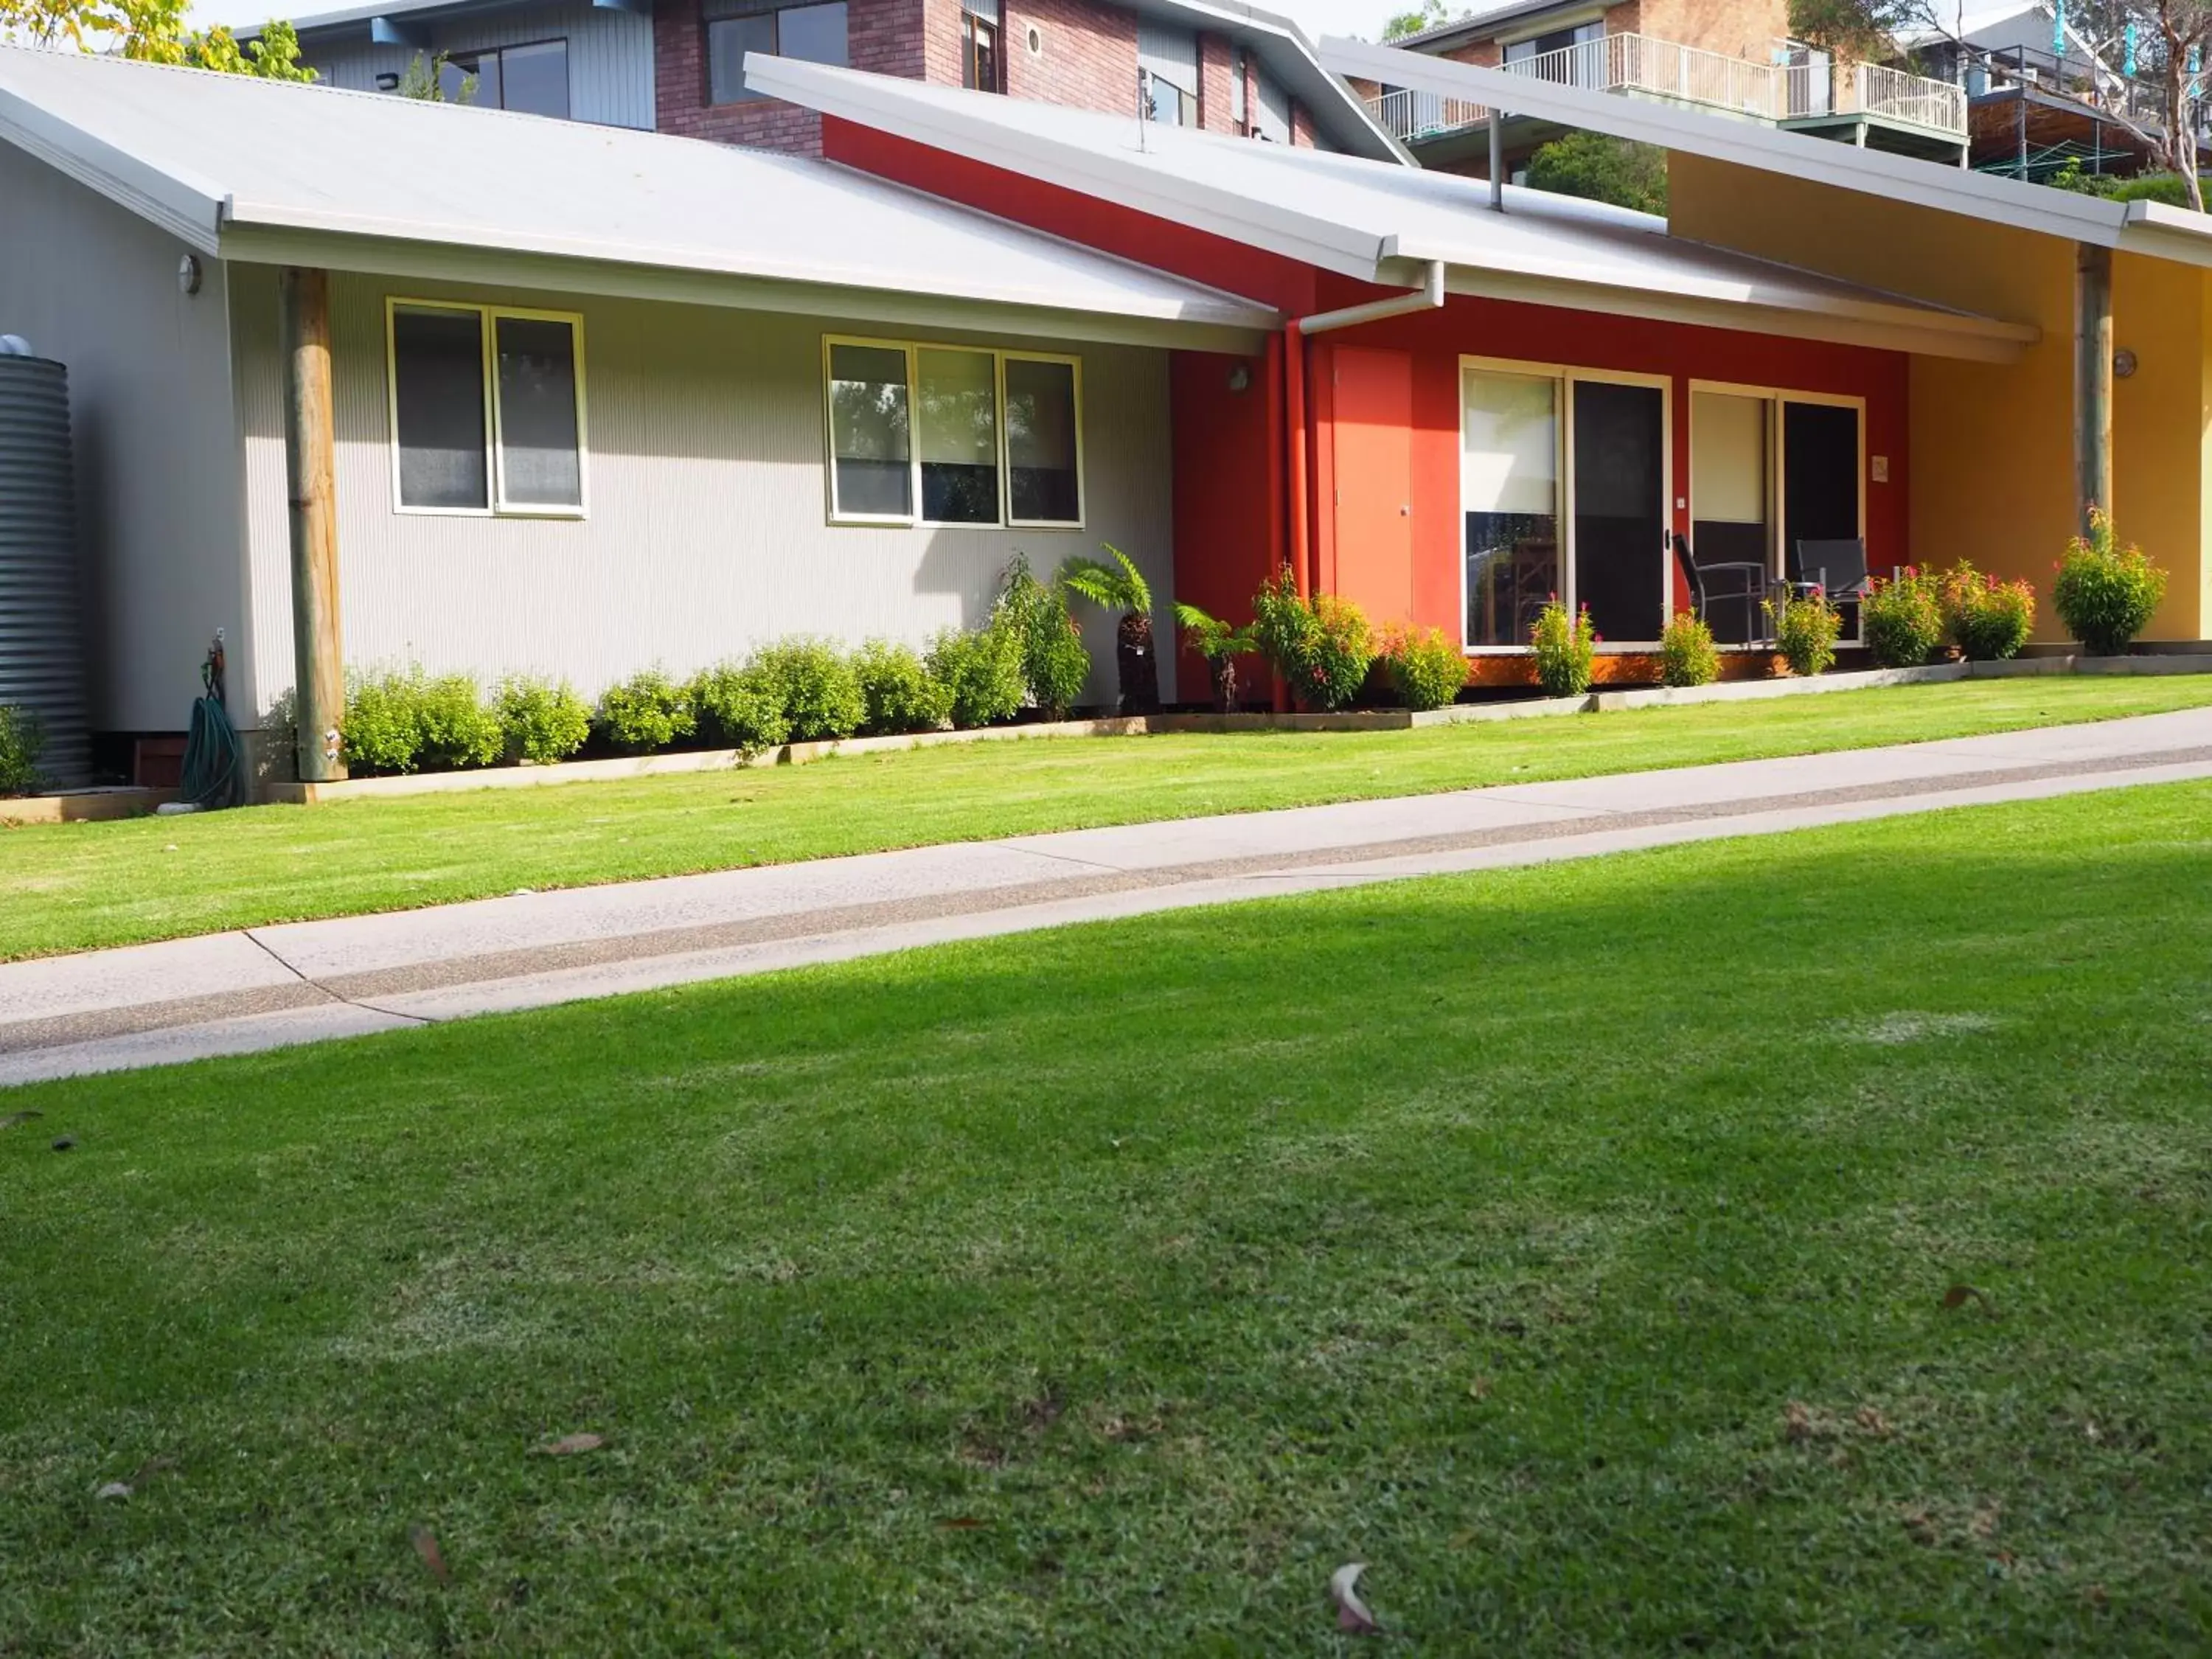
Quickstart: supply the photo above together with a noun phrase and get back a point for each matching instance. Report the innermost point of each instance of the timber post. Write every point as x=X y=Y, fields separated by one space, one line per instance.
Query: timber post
x=303 y=307
x=2093 y=380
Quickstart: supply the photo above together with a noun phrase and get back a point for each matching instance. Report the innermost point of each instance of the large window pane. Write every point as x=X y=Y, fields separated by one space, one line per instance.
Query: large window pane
x=814 y=33
x=534 y=79
x=472 y=79
x=1510 y=488
x=728 y=41
x=1728 y=496
x=540 y=460
x=438 y=396
x=958 y=433
x=1621 y=557
x=1041 y=441
x=868 y=433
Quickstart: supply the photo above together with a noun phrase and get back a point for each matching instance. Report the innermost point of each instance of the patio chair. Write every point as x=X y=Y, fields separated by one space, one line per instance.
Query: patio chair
x=1729 y=582
x=1838 y=568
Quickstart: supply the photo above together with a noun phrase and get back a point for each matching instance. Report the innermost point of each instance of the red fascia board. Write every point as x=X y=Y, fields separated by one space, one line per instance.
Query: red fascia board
x=1092 y=221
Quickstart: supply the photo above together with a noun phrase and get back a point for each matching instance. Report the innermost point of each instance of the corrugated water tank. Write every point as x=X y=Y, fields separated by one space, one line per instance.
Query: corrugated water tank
x=41 y=642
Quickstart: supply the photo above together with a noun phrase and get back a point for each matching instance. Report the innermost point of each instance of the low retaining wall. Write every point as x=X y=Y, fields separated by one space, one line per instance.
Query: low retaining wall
x=82 y=805
x=1377 y=719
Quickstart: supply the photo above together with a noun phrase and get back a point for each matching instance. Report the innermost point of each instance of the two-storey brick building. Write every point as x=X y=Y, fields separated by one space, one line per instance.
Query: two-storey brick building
x=676 y=65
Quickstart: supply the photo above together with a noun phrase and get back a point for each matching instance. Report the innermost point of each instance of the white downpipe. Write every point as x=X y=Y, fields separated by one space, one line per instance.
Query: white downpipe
x=1430 y=296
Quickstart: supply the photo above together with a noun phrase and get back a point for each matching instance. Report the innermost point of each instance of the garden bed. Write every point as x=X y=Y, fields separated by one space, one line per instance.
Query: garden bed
x=82 y=805
x=1372 y=720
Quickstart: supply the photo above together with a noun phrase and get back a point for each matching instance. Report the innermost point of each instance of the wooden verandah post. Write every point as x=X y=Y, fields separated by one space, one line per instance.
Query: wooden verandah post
x=318 y=664
x=2093 y=380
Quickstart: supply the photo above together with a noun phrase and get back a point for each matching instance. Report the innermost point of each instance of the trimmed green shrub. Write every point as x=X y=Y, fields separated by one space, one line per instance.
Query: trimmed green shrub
x=1426 y=669
x=979 y=671
x=645 y=712
x=1566 y=650
x=23 y=737
x=1687 y=655
x=1055 y=663
x=1988 y=620
x=2106 y=594
x=736 y=706
x=815 y=686
x=1902 y=621
x=383 y=723
x=539 y=720
x=458 y=731
x=896 y=689
x=1323 y=647
x=1805 y=630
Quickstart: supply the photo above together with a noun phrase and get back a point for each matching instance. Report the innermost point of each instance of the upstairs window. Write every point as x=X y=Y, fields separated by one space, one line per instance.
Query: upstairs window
x=947 y=434
x=532 y=79
x=815 y=34
x=1167 y=67
x=982 y=67
x=486 y=409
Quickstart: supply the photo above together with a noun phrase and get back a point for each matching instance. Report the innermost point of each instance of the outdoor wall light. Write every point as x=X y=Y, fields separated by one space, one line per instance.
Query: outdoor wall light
x=188 y=274
x=1240 y=377
x=2123 y=363
x=387 y=81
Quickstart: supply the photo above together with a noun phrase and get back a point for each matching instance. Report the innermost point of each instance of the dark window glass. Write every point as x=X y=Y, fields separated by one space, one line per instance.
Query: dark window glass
x=957 y=424
x=1621 y=553
x=534 y=79
x=438 y=394
x=728 y=41
x=813 y=33
x=540 y=460
x=473 y=79
x=1041 y=441
x=868 y=435
x=979 y=53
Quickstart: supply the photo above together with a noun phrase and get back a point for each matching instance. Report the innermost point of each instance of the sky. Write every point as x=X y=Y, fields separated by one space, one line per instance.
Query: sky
x=1316 y=17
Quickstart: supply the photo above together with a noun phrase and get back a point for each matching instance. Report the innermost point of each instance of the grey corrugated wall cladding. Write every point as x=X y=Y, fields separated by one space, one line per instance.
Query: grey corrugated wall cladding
x=707 y=532
x=610 y=56
x=42 y=666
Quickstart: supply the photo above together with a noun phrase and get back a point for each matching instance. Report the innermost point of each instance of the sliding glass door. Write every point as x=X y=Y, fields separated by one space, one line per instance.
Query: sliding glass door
x=1619 y=474
x=1731 y=505
x=1563 y=487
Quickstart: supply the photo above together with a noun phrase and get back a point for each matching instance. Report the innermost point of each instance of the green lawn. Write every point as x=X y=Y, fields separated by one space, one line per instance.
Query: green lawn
x=1570 y=1244
x=72 y=887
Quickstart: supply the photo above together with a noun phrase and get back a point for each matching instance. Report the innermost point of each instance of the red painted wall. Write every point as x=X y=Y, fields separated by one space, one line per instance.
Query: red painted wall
x=1222 y=489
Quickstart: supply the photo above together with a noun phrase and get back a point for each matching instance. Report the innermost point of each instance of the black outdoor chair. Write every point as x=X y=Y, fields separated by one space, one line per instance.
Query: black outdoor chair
x=1727 y=581
x=1838 y=568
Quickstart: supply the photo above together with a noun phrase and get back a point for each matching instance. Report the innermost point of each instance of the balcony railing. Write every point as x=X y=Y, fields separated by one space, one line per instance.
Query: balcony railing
x=1646 y=66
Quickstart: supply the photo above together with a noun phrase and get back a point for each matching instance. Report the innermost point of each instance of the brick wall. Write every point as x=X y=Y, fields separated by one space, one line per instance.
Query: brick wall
x=1087 y=58
x=1216 y=86
x=1487 y=54
x=884 y=36
x=1302 y=124
x=1738 y=28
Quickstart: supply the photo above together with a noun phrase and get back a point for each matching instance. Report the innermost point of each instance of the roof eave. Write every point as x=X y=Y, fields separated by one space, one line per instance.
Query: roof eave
x=189 y=208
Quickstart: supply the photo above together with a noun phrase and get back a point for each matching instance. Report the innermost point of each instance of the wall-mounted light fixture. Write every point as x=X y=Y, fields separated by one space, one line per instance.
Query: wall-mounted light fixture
x=1240 y=377
x=387 y=81
x=188 y=274
x=2123 y=363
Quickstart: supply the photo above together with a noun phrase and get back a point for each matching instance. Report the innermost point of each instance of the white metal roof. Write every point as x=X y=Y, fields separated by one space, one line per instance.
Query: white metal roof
x=1284 y=48
x=240 y=167
x=1382 y=223
x=2186 y=237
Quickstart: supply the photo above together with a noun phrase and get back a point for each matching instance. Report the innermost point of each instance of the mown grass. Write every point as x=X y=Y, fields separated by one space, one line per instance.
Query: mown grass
x=73 y=887
x=1571 y=1245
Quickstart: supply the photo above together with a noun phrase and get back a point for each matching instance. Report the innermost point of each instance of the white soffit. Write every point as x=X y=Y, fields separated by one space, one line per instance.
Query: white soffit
x=1380 y=223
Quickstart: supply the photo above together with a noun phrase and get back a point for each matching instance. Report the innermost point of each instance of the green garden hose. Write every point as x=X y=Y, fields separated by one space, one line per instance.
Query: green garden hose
x=212 y=776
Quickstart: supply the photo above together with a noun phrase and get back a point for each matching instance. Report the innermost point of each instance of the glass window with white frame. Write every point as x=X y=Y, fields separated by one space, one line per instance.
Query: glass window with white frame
x=952 y=435
x=486 y=409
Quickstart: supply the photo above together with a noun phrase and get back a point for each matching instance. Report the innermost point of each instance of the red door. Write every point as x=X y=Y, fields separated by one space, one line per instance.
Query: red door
x=1374 y=427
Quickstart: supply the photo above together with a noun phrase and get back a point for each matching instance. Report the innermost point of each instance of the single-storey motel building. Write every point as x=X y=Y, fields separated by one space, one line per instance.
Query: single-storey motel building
x=600 y=399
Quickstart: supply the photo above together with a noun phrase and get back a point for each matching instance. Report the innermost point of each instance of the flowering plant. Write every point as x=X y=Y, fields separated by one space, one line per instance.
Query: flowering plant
x=2106 y=594
x=1805 y=630
x=1566 y=649
x=1988 y=620
x=1686 y=654
x=1322 y=647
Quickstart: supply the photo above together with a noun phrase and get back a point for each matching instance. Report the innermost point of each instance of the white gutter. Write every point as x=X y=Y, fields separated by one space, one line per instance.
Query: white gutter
x=1430 y=296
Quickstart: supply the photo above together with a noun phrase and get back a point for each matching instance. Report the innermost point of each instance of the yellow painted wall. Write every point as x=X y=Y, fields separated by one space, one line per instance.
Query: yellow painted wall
x=1991 y=471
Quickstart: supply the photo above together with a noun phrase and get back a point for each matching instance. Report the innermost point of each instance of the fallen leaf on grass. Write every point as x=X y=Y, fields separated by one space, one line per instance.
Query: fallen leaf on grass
x=114 y=1489
x=1351 y=1615
x=1480 y=1388
x=139 y=1476
x=1958 y=1294
x=568 y=1444
x=15 y=1118
x=426 y=1546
